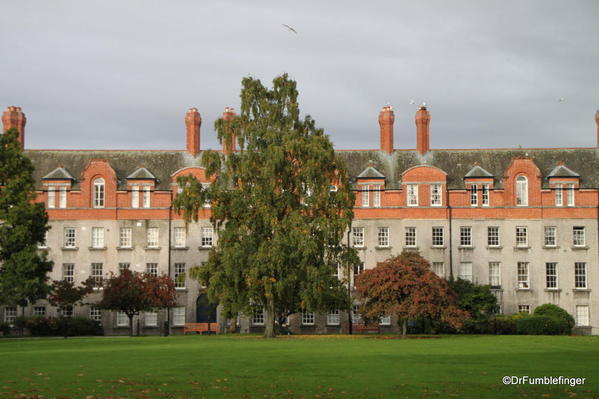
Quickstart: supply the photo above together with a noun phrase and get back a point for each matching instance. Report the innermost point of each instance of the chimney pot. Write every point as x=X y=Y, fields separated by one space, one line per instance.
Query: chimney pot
x=13 y=117
x=386 y=119
x=423 y=119
x=193 y=121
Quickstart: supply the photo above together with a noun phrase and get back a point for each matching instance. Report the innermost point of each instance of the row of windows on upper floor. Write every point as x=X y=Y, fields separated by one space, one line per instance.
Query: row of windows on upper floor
x=521 y=237
x=125 y=237
x=480 y=194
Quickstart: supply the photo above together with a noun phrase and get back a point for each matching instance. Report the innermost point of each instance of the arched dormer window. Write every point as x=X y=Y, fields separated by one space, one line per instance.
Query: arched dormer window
x=521 y=191
x=98 y=193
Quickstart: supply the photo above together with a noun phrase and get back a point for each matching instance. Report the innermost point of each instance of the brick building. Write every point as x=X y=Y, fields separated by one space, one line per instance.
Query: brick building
x=524 y=221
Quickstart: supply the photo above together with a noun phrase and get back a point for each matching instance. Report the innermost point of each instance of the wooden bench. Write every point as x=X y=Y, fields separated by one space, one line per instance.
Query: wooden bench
x=362 y=328
x=200 y=328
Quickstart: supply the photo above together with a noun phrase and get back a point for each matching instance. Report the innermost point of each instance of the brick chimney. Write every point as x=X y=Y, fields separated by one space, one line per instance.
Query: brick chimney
x=13 y=117
x=193 y=121
x=597 y=121
x=423 y=142
x=386 y=119
x=228 y=115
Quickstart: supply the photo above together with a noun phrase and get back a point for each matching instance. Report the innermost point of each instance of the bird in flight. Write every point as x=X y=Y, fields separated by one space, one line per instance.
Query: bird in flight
x=290 y=28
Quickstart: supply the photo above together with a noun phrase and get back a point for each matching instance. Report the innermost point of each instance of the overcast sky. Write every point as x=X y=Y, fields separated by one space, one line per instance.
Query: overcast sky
x=121 y=74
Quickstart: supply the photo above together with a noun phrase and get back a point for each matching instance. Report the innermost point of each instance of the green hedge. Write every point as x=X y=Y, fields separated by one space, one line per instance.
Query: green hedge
x=540 y=325
x=505 y=325
x=63 y=326
x=556 y=312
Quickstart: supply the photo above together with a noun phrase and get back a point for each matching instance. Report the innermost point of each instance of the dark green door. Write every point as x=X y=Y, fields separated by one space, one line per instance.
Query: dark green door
x=205 y=311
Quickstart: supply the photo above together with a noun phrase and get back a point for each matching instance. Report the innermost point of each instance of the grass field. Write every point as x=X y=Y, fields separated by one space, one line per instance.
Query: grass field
x=296 y=367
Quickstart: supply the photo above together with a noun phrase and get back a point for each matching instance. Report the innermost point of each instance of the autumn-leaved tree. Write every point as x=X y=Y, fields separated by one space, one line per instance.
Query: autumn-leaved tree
x=23 y=225
x=406 y=287
x=132 y=292
x=280 y=204
x=65 y=293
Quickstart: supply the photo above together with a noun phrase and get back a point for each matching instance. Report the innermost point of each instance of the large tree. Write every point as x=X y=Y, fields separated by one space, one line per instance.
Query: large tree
x=23 y=225
x=65 y=293
x=406 y=287
x=132 y=292
x=281 y=205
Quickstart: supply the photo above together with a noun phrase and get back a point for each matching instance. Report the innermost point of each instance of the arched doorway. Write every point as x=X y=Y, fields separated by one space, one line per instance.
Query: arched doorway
x=205 y=311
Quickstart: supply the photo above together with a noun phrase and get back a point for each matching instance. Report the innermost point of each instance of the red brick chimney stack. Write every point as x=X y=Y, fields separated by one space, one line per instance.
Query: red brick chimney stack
x=597 y=121
x=228 y=115
x=13 y=117
x=423 y=142
x=386 y=119
x=193 y=121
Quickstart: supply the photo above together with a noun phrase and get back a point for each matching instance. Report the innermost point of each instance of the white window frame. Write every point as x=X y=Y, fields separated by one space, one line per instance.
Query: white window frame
x=493 y=236
x=258 y=316
x=153 y=237
x=436 y=195
x=583 y=316
x=356 y=317
x=580 y=276
x=10 y=314
x=125 y=237
x=559 y=195
x=438 y=268
x=207 y=237
x=146 y=197
x=98 y=237
x=551 y=276
x=39 y=311
x=365 y=196
x=571 y=198
x=70 y=237
x=410 y=238
x=485 y=194
x=180 y=237
x=135 y=196
x=333 y=317
x=383 y=237
x=524 y=309
x=521 y=191
x=180 y=271
x=179 y=316
x=523 y=275
x=68 y=272
x=307 y=318
x=522 y=236
x=578 y=236
x=376 y=195
x=550 y=236
x=51 y=197
x=358 y=237
x=466 y=270
x=150 y=319
x=152 y=268
x=122 y=320
x=95 y=313
x=473 y=195
x=124 y=266
x=465 y=236
x=62 y=197
x=385 y=321
x=97 y=272
x=438 y=236
x=412 y=194
x=99 y=193
x=495 y=274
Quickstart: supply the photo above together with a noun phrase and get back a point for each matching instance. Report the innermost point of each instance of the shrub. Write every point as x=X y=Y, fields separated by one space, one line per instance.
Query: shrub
x=555 y=311
x=540 y=325
x=5 y=329
x=505 y=325
x=63 y=326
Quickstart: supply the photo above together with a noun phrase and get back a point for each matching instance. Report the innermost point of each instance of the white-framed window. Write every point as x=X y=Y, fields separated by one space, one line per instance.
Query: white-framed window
x=97 y=237
x=151 y=319
x=358 y=269
x=39 y=311
x=62 y=197
x=66 y=311
x=207 y=236
x=550 y=236
x=436 y=196
x=559 y=195
x=68 y=272
x=98 y=193
x=135 y=196
x=308 y=318
x=438 y=236
x=333 y=317
x=439 y=269
x=383 y=236
x=376 y=195
x=571 y=195
x=385 y=321
x=578 y=236
x=521 y=236
x=258 y=316
x=180 y=237
x=153 y=235
x=125 y=237
x=465 y=271
x=466 y=236
x=410 y=236
x=124 y=266
x=494 y=274
x=365 y=196
x=551 y=275
x=412 y=193
x=51 y=197
x=97 y=272
x=523 y=276
x=582 y=315
x=357 y=236
x=206 y=186
x=493 y=236
x=356 y=317
x=95 y=313
x=10 y=314
x=521 y=191
x=580 y=275
x=485 y=195
x=70 y=239
x=122 y=320
x=152 y=269
x=179 y=316
x=473 y=195
x=146 y=197
x=179 y=275
x=523 y=308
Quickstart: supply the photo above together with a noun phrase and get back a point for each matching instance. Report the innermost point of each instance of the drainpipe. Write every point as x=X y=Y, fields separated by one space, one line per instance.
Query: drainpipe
x=450 y=232
x=349 y=314
x=170 y=219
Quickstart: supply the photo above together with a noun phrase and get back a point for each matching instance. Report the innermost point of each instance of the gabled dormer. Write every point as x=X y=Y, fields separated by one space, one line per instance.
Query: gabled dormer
x=140 y=184
x=57 y=184
x=563 y=178
x=479 y=183
x=371 y=183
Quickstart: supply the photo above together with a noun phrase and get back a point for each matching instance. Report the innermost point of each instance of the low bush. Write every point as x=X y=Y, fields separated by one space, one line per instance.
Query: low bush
x=505 y=325
x=555 y=311
x=5 y=329
x=540 y=325
x=63 y=326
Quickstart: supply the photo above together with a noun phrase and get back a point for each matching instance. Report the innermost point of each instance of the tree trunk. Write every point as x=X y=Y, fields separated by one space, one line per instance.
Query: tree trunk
x=269 y=318
x=404 y=327
x=130 y=325
x=232 y=325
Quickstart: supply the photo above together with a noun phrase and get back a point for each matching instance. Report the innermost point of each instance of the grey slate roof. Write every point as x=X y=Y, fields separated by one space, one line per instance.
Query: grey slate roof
x=141 y=174
x=371 y=173
x=456 y=163
x=562 y=171
x=59 y=173
x=477 y=171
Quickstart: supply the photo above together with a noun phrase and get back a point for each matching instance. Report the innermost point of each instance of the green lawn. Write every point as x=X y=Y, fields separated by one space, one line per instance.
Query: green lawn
x=296 y=367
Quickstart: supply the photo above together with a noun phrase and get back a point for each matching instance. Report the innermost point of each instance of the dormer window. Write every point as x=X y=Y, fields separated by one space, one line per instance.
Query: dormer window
x=559 y=195
x=135 y=197
x=99 y=193
x=473 y=195
x=412 y=194
x=146 y=197
x=485 y=195
x=521 y=191
x=570 y=194
x=435 y=195
x=51 y=198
